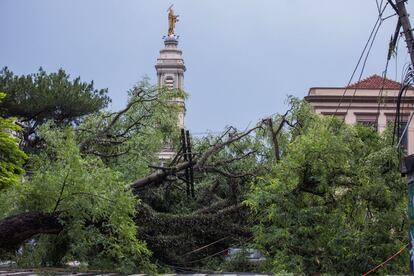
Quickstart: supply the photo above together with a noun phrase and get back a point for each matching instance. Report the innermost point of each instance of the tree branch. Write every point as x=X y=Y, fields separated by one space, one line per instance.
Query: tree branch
x=19 y=228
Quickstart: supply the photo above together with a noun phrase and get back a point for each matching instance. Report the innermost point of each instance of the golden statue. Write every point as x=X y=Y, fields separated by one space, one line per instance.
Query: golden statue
x=172 y=19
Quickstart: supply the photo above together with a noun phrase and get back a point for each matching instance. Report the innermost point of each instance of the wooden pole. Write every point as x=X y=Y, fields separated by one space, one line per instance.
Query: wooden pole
x=409 y=163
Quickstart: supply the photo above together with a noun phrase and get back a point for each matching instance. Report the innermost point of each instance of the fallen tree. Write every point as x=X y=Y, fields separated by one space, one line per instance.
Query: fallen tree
x=80 y=177
x=224 y=218
x=18 y=228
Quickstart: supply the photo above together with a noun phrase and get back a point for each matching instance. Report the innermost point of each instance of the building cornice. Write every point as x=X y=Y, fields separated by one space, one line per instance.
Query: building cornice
x=170 y=66
x=352 y=89
x=357 y=99
x=340 y=109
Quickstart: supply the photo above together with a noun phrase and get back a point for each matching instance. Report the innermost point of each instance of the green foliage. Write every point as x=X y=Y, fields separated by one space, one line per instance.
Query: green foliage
x=240 y=263
x=94 y=204
x=136 y=133
x=335 y=203
x=157 y=117
x=82 y=173
x=11 y=157
x=36 y=98
x=84 y=167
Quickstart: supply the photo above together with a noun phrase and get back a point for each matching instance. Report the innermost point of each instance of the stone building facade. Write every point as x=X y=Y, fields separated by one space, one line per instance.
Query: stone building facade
x=360 y=103
x=170 y=69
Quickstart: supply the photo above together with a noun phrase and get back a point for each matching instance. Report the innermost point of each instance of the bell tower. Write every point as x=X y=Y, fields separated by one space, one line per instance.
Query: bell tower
x=170 y=74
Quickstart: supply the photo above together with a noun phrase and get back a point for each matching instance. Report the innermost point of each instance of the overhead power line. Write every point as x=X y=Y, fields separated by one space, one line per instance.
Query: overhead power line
x=363 y=56
x=391 y=48
x=387 y=260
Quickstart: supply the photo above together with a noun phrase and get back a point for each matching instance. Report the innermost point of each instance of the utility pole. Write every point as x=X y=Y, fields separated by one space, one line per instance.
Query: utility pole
x=188 y=157
x=409 y=163
x=405 y=22
x=403 y=19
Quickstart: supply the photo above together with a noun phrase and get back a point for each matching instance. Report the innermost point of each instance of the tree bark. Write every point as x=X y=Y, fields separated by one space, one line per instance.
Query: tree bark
x=14 y=230
x=159 y=177
x=274 y=137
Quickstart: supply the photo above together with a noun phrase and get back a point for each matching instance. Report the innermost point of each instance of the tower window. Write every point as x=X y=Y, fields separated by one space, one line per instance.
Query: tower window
x=169 y=82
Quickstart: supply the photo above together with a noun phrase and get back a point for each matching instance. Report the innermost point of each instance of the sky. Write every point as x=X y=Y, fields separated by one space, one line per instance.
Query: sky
x=243 y=57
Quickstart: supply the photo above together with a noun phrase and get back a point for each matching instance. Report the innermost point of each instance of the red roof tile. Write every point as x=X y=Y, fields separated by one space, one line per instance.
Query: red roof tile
x=376 y=82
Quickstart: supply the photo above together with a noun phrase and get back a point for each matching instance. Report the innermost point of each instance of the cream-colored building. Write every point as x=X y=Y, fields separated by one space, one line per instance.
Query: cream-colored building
x=170 y=74
x=361 y=103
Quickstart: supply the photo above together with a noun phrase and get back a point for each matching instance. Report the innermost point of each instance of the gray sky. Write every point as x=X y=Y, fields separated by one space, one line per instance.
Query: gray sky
x=242 y=56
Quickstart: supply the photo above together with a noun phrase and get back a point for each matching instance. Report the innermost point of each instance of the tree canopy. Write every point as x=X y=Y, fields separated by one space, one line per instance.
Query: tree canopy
x=312 y=193
x=36 y=98
x=92 y=202
x=335 y=202
x=77 y=187
x=11 y=157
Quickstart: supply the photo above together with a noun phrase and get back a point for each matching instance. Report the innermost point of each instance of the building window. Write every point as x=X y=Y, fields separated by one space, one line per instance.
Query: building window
x=404 y=140
x=403 y=124
x=169 y=82
x=368 y=120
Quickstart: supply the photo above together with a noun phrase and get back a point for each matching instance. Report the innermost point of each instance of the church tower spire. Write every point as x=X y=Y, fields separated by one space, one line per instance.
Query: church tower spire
x=170 y=65
x=170 y=73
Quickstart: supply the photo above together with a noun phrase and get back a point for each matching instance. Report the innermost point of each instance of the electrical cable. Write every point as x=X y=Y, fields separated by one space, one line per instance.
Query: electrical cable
x=357 y=65
x=408 y=80
x=379 y=98
x=396 y=56
x=397 y=114
x=406 y=128
x=379 y=6
x=384 y=76
x=366 y=51
x=212 y=255
x=206 y=257
x=387 y=260
x=392 y=48
x=205 y=246
x=362 y=71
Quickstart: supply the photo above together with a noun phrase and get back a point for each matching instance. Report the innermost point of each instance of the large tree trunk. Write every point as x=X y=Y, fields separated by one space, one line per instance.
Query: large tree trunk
x=169 y=236
x=14 y=230
x=159 y=177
